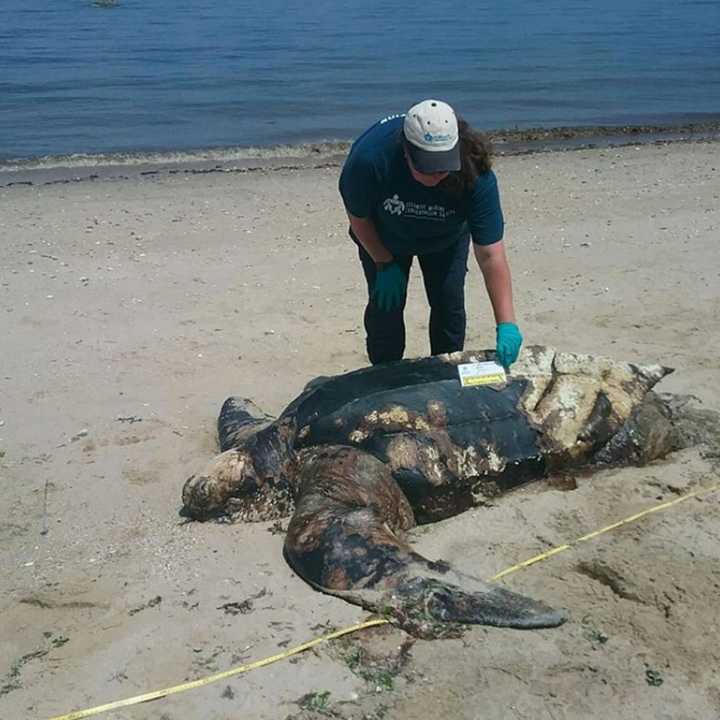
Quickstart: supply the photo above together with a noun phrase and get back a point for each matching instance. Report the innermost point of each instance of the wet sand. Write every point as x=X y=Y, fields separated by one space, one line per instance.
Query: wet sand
x=132 y=305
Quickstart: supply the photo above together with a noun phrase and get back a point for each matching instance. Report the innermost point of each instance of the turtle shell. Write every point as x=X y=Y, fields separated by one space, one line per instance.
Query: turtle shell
x=449 y=447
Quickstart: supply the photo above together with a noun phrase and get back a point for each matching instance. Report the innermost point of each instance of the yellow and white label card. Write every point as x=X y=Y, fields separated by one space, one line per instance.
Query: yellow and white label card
x=481 y=373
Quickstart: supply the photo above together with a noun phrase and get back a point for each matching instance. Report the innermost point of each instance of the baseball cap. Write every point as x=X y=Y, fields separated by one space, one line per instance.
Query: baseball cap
x=431 y=129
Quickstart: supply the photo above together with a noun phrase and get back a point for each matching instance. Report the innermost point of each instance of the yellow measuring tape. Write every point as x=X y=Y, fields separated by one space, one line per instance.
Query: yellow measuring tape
x=157 y=694
x=607 y=528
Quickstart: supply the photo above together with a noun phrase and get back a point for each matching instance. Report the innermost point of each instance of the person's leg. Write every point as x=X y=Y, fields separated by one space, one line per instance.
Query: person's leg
x=385 y=330
x=444 y=277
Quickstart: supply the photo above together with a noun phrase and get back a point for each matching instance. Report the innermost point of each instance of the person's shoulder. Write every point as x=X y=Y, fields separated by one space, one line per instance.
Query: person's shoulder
x=484 y=182
x=379 y=140
x=371 y=160
x=387 y=127
x=484 y=195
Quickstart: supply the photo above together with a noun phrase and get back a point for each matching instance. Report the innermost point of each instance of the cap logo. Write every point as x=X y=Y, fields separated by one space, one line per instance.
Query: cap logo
x=437 y=137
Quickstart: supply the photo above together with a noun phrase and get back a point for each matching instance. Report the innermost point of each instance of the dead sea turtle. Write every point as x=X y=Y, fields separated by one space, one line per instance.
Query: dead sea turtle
x=359 y=458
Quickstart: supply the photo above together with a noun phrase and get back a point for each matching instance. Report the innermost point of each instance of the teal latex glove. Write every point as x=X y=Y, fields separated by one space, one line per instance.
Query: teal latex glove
x=390 y=286
x=508 y=341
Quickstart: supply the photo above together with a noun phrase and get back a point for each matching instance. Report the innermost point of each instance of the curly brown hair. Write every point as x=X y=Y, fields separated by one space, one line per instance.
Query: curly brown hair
x=475 y=156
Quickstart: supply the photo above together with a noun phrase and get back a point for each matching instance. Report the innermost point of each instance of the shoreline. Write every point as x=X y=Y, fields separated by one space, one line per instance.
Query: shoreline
x=48 y=170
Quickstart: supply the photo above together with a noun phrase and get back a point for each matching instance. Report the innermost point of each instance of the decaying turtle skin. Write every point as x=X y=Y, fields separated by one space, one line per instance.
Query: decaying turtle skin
x=362 y=457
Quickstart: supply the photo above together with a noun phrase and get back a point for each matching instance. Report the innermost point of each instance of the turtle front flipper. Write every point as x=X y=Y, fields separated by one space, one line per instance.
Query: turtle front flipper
x=239 y=418
x=343 y=540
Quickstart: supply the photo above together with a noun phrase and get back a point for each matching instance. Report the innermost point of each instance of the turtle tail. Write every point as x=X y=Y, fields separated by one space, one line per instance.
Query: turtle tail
x=343 y=539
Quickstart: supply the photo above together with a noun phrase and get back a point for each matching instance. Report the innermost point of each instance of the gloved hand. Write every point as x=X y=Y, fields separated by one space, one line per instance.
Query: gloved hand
x=507 y=343
x=390 y=286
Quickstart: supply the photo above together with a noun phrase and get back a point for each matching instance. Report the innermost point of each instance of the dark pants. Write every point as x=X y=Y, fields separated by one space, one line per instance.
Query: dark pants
x=444 y=277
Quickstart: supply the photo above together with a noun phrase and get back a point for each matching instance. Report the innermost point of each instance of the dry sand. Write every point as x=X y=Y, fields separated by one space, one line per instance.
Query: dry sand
x=132 y=307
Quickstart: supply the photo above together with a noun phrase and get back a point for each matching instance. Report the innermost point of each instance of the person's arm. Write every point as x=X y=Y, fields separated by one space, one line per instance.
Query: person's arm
x=390 y=281
x=359 y=190
x=496 y=273
x=366 y=233
x=487 y=225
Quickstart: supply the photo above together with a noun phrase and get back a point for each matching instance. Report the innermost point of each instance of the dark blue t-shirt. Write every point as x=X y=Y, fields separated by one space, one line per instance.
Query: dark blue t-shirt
x=410 y=218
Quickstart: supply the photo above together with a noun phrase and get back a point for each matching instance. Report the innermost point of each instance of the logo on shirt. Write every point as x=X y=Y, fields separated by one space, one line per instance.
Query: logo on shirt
x=394 y=205
x=418 y=211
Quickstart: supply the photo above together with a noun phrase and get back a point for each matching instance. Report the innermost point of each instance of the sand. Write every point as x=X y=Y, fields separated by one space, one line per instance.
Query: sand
x=132 y=305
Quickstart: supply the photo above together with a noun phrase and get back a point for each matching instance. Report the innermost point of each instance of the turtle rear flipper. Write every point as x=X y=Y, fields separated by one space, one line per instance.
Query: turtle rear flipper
x=496 y=606
x=343 y=539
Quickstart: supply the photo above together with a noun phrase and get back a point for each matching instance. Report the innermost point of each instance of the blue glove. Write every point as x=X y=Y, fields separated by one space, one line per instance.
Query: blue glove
x=508 y=341
x=390 y=286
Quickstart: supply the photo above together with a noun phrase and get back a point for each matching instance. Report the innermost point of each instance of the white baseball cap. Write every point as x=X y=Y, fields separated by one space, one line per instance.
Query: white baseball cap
x=431 y=129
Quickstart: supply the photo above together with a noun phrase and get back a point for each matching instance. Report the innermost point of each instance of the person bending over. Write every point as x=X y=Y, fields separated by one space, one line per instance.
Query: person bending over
x=421 y=185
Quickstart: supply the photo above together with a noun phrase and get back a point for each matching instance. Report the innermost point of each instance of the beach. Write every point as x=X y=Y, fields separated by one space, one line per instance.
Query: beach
x=134 y=303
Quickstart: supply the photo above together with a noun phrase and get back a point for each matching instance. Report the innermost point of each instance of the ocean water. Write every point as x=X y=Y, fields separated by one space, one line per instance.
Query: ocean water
x=171 y=75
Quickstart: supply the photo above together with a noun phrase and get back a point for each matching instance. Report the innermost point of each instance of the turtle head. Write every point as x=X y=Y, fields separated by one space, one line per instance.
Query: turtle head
x=231 y=486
